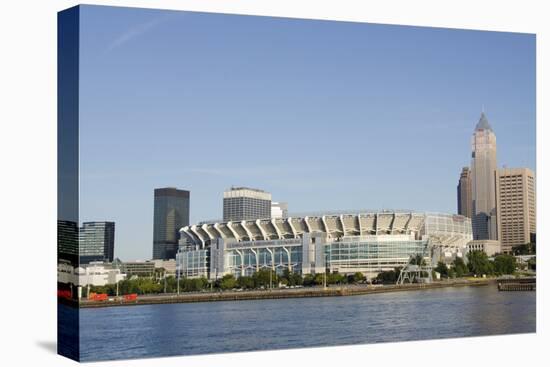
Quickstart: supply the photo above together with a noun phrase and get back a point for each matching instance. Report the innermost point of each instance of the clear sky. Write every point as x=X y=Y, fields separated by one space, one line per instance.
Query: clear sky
x=325 y=115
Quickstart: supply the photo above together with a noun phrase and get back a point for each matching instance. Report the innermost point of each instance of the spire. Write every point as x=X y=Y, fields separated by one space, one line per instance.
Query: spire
x=483 y=123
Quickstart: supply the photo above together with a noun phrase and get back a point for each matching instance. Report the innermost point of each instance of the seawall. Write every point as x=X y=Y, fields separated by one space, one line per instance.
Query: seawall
x=333 y=291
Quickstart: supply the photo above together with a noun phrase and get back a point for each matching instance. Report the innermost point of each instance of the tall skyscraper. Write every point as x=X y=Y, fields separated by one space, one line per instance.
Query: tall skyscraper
x=483 y=167
x=516 y=206
x=96 y=242
x=171 y=213
x=244 y=203
x=464 y=193
x=279 y=210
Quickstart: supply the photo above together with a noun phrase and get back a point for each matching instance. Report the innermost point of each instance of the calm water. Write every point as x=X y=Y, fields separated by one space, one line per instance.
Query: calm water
x=197 y=328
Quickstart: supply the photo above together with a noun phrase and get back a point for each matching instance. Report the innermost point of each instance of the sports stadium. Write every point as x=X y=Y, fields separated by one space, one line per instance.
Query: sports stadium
x=367 y=242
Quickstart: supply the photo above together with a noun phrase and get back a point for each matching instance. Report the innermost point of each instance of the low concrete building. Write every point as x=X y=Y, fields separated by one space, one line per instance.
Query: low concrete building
x=490 y=247
x=169 y=266
x=136 y=268
x=98 y=274
x=95 y=273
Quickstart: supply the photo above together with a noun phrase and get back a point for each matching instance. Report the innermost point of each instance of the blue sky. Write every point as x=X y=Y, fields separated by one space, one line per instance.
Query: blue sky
x=324 y=115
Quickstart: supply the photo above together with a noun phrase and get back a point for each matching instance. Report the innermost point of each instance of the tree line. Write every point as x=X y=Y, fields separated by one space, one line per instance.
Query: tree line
x=479 y=264
x=262 y=279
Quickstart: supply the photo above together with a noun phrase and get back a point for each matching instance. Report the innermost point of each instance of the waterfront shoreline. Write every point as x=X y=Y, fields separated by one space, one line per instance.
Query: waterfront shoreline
x=334 y=291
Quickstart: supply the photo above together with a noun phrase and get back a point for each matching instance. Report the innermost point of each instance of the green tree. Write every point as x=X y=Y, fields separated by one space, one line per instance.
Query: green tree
x=319 y=279
x=265 y=278
x=228 y=281
x=505 y=264
x=390 y=276
x=460 y=267
x=291 y=278
x=356 y=278
x=336 y=278
x=479 y=264
x=245 y=282
x=525 y=249
x=442 y=269
x=309 y=280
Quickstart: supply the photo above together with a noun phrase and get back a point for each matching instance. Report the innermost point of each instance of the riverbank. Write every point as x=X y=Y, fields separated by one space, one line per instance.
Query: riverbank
x=333 y=291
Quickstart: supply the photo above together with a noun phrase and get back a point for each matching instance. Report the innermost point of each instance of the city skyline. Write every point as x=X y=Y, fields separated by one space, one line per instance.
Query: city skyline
x=302 y=120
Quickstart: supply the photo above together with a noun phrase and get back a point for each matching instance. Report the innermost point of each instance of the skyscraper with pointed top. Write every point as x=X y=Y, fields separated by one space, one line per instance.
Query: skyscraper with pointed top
x=483 y=167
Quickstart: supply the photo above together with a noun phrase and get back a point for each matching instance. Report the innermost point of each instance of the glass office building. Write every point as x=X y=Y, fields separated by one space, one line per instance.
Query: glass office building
x=96 y=242
x=171 y=212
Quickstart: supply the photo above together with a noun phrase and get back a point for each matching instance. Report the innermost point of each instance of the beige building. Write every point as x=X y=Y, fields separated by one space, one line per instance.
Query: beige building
x=464 y=193
x=483 y=167
x=490 y=247
x=516 y=206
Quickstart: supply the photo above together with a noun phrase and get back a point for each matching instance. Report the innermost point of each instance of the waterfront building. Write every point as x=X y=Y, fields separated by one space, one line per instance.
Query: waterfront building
x=346 y=243
x=245 y=203
x=279 y=210
x=171 y=212
x=168 y=266
x=490 y=247
x=98 y=274
x=464 y=193
x=483 y=167
x=516 y=206
x=135 y=268
x=65 y=272
x=95 y=273
x=96 y=242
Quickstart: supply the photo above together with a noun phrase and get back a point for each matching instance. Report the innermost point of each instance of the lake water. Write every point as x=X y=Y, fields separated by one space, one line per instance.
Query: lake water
x=216 y=327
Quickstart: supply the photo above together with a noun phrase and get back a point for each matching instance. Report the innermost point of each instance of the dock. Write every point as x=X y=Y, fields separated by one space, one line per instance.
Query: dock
x=517 y=284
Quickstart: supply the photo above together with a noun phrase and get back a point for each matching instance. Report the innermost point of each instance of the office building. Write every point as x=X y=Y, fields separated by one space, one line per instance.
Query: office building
x=166 y=267
x=67 y=241
x=171 y=212
x=516 y=206
x=464 y=193
x=244 y=203
x=137 y=268
x=279 y=210
x=483 y=167
x=345 y=243
x=96 y=242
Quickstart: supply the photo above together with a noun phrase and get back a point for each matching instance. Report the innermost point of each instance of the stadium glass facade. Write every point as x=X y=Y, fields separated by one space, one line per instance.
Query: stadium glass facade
x=347 y=243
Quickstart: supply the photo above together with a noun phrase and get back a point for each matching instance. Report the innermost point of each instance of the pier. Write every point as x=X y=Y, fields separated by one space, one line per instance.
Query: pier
x=517 y=284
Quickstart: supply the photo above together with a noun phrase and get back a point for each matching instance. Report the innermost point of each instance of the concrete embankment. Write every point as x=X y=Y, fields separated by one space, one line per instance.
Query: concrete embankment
x=332 y=291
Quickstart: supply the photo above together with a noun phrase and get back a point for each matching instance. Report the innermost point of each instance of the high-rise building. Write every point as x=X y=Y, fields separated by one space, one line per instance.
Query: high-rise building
x=171 y=213
x=516 y=206
x=67 y=241
x=483 y=167
x=244 y=203
x=279 y=210
x=464 y=193
x=96 y=242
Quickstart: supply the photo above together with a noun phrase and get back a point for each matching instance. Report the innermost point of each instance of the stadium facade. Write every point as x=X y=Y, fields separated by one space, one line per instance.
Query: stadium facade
x=346 y=243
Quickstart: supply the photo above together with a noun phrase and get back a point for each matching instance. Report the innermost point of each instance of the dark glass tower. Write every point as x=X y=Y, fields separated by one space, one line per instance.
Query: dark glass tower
x=464 y=193
x=171 y=213
x=97 y=242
